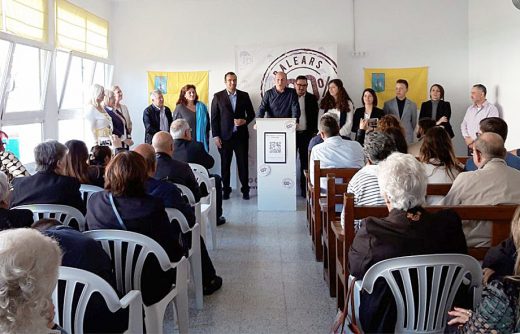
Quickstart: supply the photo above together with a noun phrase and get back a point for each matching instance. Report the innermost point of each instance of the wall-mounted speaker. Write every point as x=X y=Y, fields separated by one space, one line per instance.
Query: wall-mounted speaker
x=516 y=3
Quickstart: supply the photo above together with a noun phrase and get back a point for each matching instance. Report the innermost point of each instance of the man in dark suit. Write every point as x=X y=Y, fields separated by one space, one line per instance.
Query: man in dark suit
x=48 y=185
x=187 y=150
x=156 y=117
x=231 y=112
x=307 y=126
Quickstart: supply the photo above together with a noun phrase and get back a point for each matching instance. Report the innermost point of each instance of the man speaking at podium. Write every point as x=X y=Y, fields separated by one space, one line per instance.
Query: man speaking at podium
x=280 y=101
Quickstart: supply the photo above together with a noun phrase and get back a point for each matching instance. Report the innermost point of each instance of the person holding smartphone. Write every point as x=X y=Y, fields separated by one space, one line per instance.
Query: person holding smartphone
x=369 y=113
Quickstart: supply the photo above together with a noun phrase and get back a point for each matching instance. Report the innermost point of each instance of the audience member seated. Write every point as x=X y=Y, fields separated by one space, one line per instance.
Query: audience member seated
x=83 y=252
x=49 y=185
x=493 y=183
x=172 y=198
x=98 y=160
x=9 y=163
x=498 y=126
x=135 y=211
x=398 y=137
x=423 y=126
x=364 y=185
x=439 y=159
x=187 y=150
x=408 y=230
x=334 y=152
x=28 y=277
x=498 y=308
x=387 y=121
x=11 y=218
x=76 y=164
x=171 y=170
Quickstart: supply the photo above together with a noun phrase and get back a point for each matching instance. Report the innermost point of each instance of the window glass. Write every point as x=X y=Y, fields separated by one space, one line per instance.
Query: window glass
x=22 y=140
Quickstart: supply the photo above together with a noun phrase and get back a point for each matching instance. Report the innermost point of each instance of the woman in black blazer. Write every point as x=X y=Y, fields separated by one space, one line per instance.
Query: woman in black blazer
x=441 y=113
x=369 y=109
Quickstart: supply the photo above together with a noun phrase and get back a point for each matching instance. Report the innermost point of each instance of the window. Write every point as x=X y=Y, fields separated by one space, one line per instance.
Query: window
x=4 y=53
x=25 y=18
x=71 y=129
x=22 y=140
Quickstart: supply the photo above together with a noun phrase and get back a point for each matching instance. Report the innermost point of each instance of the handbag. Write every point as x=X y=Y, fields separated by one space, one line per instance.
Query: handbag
x=342 y=316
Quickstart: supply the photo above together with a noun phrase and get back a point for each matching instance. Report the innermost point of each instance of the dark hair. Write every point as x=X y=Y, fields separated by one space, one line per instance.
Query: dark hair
x=301 y=77
x=329 y=125
x=328 y=102
x=481 y=87
x=494 y=124
x=426 y=124
x=402 y=81
x=76 y=161
x=126 y=174
x=182 y=100
x=45 y=223
x=47 y=155
x=389 y=121
x=372 y=92
x=437 y=150
x=229 y=73
x=398 y=137
x=440 y=88
x=98 y=154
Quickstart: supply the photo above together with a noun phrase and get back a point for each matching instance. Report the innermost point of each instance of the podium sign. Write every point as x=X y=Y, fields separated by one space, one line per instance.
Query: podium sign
x=276 y=164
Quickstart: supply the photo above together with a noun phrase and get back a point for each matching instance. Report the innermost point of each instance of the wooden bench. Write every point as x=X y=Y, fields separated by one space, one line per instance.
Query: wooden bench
x=499 y=215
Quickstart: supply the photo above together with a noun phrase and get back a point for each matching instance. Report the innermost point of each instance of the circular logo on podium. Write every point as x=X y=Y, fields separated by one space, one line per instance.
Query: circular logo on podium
x=290 y=126
x=287 y=183
x=264 y=170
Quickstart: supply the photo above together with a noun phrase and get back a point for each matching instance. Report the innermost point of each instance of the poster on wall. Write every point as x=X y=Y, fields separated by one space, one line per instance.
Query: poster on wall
x=170 y=84
x=257 y=65
x=382 y=81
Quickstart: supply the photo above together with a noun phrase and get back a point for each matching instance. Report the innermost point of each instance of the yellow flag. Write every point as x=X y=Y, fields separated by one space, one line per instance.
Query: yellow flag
x=170 y=84
x=382 y=80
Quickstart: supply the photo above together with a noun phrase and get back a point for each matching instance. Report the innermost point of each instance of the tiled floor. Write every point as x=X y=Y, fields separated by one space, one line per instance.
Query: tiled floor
x=272 y=284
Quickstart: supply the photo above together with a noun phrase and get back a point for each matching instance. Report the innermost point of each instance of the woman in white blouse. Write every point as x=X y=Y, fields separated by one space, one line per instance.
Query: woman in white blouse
x=337 y=101
x=99 y=121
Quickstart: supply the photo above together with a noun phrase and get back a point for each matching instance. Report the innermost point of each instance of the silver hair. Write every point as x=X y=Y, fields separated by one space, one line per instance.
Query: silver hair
x=95 y=92
x=29 y=263
x=403 y=180
x=178 y=128
x=378 y=146
x=155 y=93
x=4 y=188
x=47 y=155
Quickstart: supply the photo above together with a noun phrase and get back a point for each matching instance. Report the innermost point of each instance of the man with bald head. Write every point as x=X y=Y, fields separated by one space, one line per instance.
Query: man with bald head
x=280 y=101
x=492 y=183
x=156 y=117
x=172 y=170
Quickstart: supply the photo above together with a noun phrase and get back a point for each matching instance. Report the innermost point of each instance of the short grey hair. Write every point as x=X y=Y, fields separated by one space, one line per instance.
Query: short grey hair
x=403 y=180
x=378 y=146
x=178 y=128
x=29 y=263
x=4 y=188
x=47 y=155
x=491 y=145
x=155 y=93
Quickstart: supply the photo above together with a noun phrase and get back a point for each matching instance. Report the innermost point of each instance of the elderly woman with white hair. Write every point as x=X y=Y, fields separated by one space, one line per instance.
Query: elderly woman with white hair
x=407 y=230
x=29 y=263
x=119 y=126
x=11 y=218
x=100 y=122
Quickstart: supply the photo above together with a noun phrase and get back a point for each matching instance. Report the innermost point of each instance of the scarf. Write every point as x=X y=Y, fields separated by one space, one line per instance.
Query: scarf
x=202 y=122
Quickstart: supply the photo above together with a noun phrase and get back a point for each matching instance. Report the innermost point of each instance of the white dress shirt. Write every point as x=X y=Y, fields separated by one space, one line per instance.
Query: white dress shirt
x=471 y=123
x=302 y=125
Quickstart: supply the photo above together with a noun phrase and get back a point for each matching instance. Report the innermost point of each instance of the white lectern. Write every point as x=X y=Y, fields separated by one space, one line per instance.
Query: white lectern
x=276 y=164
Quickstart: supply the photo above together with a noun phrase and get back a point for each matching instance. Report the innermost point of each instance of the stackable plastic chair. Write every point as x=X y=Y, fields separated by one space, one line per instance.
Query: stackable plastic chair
x=87 y=190
x=89 y=283
x=65 y=214
x=128 y=273
x=185 y=191
x=208 y=206
x=196 y=168
x=437 y=278
x=194 y=254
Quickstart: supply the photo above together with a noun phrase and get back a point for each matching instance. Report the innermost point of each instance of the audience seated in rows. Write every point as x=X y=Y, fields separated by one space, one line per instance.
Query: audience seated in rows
x=498 y=308
x=172 y=198
x=15 y=217
x=408 y=230
x=76 y=164
x=136 y=211
x=493 y=183
x=423 y=126
x=334 y=152
x=29 y=263
x=498 y=126
x=49 y=185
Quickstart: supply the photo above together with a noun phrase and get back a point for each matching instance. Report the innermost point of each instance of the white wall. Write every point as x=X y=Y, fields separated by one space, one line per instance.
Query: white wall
x=494 y=53
x=200 y=35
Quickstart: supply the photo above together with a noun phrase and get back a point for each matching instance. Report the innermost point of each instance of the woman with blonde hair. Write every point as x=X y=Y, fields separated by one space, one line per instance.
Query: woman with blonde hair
x=122 y=109
x=100 y=122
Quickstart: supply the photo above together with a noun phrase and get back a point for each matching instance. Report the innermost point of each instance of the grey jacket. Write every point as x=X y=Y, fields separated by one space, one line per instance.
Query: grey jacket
x=409 y=118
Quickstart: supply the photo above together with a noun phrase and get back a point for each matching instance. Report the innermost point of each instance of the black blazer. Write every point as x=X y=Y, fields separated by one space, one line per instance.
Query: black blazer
x=152 y=122
x=47 y=188
x=443 y=109
x=311 y=112
x=359 y=114
x=192 y=151
x=222 y=115
x=15 y=218
x=175 y=171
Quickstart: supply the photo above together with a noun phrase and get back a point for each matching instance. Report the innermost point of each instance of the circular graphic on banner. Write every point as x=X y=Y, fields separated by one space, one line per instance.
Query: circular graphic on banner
x=264 y=170
x=315 y=65
x=290 y=126
x=287 y=183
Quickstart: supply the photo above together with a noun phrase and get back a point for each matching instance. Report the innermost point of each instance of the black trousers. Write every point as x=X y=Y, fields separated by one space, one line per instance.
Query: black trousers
x=302 y=146
x=241 y=148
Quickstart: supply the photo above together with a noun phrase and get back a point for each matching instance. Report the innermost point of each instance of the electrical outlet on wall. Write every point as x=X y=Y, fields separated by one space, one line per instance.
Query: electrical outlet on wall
x=359 y=54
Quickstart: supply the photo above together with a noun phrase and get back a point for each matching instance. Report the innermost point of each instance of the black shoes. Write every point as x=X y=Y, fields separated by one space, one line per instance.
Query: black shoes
x=225 y=196
x=214 y=285
x=221 y=221
x=245 y=196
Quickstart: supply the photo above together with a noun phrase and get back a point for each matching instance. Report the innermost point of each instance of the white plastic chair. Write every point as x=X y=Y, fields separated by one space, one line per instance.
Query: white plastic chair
x=437 y=278
x=73 y=322
x=197 y=168
x=196 y=205
x=194 y=254
x=128 y=274
x=87 y=190
x=208 y=206
x=65 y=214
